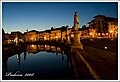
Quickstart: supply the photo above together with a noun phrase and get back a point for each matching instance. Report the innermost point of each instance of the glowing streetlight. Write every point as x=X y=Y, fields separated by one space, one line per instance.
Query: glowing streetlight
x=72 y=35
x=32 y=45
x=56 y=37
x=105 y=47
x=45 y=46
x=31 y=38
x=90 y=33
x=44 y=38
x=106 y=33
x=111 y=31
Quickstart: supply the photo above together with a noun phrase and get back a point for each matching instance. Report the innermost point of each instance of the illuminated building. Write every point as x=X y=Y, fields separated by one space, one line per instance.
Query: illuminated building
x=11 y=38
x=47 y=35
x=113 y=28
x=103 y=26
x=31 y=36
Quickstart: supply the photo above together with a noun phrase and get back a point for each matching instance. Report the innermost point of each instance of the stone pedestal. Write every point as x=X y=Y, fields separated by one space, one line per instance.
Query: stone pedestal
x=76 y=41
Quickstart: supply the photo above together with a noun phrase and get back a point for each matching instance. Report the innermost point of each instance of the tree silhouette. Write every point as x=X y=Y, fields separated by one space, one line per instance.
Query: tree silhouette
x=84 y=26
x=52 y=28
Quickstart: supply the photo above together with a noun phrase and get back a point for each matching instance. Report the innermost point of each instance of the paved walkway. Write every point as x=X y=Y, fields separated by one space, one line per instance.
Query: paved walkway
x=80 y=69
x=101 y=63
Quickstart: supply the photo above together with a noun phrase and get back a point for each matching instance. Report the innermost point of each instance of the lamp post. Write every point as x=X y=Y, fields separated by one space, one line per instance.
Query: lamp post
x=44 y=38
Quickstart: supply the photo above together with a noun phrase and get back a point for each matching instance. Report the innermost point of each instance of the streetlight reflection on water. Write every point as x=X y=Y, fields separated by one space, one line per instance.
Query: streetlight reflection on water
x=36 y=48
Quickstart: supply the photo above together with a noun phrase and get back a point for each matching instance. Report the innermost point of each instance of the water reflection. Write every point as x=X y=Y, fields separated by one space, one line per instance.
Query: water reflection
x=25 y=53
x=18 y=59
x=45 y=61
x=63 y=55
x=37 y=48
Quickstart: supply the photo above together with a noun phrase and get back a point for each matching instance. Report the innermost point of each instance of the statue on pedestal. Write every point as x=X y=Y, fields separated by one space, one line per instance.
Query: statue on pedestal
x=76 y=39
x=76 y=22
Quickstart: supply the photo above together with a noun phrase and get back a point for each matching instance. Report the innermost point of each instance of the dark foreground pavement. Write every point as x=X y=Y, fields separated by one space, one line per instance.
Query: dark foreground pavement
x=102 y=64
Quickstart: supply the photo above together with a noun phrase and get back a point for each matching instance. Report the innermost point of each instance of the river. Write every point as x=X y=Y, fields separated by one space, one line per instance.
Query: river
x=38 y=62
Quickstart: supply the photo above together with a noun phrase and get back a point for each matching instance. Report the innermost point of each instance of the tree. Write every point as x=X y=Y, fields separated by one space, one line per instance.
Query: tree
x=84 y=26
x=52 y=28
x=3 y=34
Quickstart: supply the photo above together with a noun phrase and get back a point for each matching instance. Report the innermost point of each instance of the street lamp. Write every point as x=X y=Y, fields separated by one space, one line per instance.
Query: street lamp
x=56 y=37
x=72 y=35
x=44 y=37
x=91 y=33
x=31 y=38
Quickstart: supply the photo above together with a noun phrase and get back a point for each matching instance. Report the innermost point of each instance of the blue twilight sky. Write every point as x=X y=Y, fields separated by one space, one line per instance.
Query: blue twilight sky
x=19 y=16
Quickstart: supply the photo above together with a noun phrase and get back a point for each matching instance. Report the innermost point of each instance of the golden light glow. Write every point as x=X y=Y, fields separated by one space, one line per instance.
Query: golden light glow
x=15 y=40
x=106 y=33
x=56 y=37
x=103 y=34
x=31 y=38
x=111 y=31
x=33 y=45
x=72 y=35
x=90 y=33
x=99 y=34
x=68 y=37
x=105 y=47
x=45 y=46
x=9 y=41
x=44 y=38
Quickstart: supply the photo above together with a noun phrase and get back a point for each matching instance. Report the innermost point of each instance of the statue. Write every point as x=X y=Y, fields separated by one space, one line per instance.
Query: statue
x=76 y=22
x=76 y=40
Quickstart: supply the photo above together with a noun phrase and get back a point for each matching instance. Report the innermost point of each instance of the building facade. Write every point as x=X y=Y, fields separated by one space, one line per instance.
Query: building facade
x=103 y=26
x=14 y=37
x=47 y=35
